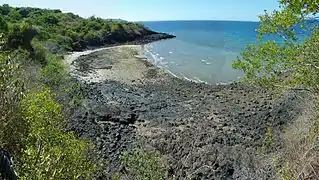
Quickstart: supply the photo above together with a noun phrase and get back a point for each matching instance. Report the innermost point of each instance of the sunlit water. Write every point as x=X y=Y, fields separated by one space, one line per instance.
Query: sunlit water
x=203 y=51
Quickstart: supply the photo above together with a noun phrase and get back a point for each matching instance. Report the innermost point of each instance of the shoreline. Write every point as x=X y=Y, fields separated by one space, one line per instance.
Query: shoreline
x=141 y=55
x=140 y=105
x=124 y=63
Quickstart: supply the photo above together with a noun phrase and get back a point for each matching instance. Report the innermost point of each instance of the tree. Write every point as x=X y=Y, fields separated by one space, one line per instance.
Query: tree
x=50 y=19
x=3 y=25
x=24 y=12
x=5 y=9
x=14 y=16
x=21 y=35
x=292 y=62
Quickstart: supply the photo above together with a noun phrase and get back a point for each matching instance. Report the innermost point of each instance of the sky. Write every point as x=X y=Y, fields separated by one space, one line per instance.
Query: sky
x=157 y=10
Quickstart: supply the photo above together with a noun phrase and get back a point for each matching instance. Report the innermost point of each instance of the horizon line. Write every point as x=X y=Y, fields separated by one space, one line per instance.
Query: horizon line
x=106 y=18
x=194 y=20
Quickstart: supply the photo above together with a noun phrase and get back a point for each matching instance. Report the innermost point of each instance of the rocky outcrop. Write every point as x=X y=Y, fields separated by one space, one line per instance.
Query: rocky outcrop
x=206 y=132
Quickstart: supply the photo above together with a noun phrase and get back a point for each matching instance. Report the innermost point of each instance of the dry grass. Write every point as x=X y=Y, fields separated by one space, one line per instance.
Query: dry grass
x=299 y=156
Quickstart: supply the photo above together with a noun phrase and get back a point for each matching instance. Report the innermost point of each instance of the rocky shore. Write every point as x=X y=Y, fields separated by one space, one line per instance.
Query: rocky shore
x=203 y=131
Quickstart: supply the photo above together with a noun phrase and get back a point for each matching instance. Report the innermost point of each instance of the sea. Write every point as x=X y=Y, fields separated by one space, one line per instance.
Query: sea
x=203 y=51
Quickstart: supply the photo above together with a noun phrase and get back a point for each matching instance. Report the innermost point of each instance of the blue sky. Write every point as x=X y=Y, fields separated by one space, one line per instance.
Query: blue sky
x=146 y=10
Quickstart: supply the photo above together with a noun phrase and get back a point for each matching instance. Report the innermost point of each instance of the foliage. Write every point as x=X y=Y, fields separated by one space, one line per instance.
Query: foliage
x=34 y=125
x=39 y=53
x=21 y=35
x=11 y=92
x=5 y=9
x=34 y=39
x=51 y=153
x=291 y=62
x=54 y=73
x=144 y=165
x=3 y=25
x=70 y=31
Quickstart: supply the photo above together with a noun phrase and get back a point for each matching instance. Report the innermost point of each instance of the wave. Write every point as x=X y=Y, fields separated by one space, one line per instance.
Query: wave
x=206 y=62
x=170 y=72
x=188 y=79
x=153 y=57
x=200 y=81
x=223 y=83
x=159 y=61
x=194 y=79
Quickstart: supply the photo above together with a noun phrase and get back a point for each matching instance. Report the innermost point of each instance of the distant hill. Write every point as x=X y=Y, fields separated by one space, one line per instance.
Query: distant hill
x=67 y=31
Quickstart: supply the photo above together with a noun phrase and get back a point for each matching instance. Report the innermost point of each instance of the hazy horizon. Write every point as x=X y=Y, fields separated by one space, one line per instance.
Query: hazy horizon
x=157 y=10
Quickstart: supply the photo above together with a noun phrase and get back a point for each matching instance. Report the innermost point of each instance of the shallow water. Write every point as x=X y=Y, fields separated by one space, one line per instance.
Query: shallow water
x=203 y=51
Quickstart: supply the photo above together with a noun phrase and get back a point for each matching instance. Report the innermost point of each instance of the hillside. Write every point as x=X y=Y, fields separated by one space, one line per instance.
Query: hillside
x=38 y=95
x=67 y=31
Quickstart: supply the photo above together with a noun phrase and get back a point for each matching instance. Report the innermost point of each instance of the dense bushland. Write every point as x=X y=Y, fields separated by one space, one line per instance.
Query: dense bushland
x=37 y=93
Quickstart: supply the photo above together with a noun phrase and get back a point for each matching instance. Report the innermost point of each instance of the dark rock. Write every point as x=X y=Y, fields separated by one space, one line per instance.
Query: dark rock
x=186 y=136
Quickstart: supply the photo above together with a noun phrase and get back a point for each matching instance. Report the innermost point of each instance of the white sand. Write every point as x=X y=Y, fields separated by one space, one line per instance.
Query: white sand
x=127 y=62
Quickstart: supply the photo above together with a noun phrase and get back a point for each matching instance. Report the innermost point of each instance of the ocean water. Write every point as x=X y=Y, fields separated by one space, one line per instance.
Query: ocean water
x=203 y=51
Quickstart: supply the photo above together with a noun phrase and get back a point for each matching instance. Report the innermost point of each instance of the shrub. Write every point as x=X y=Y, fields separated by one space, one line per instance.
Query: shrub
x=5 y=9
x=13 y=128
x=144 y=165
x=54 y=73
x=290 y=62
x=3 y=25
x=39 y=53
x=50 y=152
x=24 y=12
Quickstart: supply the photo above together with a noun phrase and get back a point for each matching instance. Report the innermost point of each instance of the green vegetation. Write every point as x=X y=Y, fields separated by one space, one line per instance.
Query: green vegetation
x=31 y=68
x=37 y=92
x=291 y=64
x=63 y=31
x=11 y=89
x=144 y=165
x=50 y=152
x=35 y=127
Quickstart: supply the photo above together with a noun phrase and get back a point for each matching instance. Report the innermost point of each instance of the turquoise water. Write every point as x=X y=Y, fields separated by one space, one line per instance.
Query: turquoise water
x=203 y=51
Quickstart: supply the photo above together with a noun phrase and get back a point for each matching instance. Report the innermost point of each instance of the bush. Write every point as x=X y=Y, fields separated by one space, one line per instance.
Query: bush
x=290 y=62
x=21 y=35
x=24 y=12
x=39 y=53
x=50 y=152
x=3 y=25
x=13 y=128
x=54 y=73
x=144 y=165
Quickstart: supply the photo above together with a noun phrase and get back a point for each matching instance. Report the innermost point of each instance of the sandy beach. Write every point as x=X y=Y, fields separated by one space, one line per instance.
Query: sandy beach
x=125 y=64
